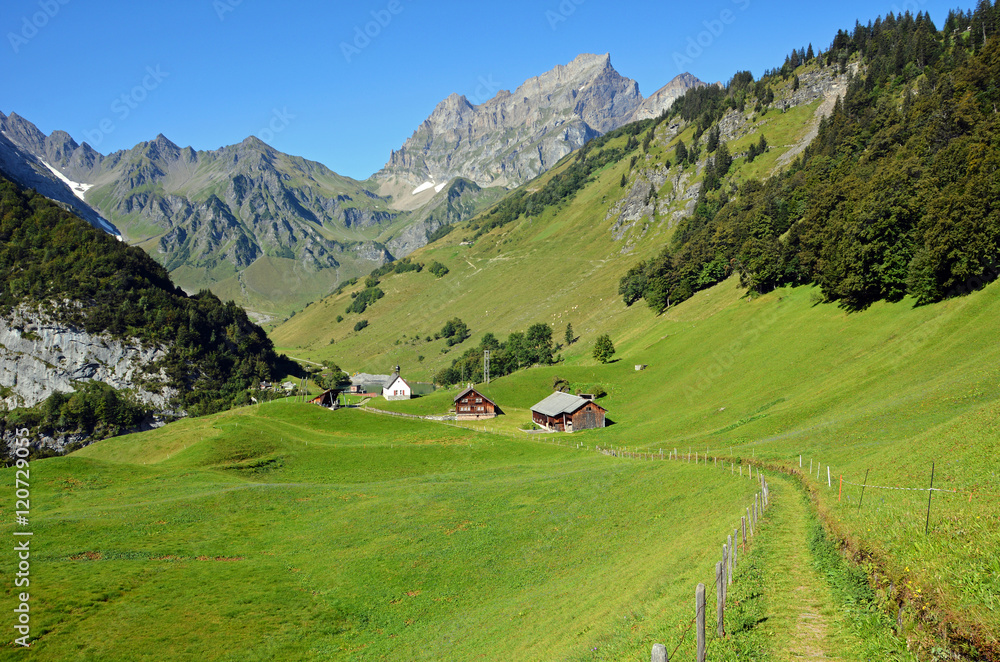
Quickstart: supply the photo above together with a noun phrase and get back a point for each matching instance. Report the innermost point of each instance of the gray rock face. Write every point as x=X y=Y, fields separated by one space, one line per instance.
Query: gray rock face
x=24 y=150
x=664 y=97
x=39 y=356
x=209 y=209
x=513 y=137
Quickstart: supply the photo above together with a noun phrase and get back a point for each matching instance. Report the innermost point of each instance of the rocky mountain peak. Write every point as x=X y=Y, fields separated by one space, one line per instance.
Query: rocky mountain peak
x=516 y=135
x=22 y=132
x=664 y=97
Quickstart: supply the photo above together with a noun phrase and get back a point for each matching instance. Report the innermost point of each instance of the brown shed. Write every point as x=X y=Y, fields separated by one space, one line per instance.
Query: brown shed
x=566 y=412
x=327 y=398
x=472 y=405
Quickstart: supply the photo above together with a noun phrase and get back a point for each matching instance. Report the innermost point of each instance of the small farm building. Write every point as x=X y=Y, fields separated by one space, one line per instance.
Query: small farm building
x=366 y=384
x=471 y=405
x=566 y=412
x=327 y=398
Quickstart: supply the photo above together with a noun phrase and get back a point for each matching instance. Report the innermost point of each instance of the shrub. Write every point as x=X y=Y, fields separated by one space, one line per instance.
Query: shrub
x=360 y=325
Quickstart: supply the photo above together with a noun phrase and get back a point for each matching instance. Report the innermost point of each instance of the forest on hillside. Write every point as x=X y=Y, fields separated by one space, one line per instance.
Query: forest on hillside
x=898 y=194
x=87 y=279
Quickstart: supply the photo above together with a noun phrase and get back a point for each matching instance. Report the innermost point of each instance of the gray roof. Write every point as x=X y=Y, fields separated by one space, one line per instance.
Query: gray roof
x=364 y=378
x=560 y=403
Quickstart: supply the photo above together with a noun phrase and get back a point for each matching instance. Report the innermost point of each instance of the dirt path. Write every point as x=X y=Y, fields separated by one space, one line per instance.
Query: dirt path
x=803 y=618
x=824 y=109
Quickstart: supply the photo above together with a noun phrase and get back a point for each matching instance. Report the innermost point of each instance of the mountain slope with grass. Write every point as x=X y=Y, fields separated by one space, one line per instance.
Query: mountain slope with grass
x=799 y=301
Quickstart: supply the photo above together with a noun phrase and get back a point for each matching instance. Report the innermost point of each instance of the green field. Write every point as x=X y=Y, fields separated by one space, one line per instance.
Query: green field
x=890 y=390
x=290 y=532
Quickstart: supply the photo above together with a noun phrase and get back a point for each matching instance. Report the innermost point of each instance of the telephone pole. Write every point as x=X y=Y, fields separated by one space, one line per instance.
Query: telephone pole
x=486 y=366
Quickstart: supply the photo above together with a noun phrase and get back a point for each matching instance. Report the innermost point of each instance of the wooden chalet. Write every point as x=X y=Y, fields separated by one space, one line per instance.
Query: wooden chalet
x=471 y=405
x=566 y=412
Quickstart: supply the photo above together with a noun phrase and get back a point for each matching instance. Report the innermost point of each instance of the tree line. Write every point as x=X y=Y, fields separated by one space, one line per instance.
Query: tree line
x=520 y=350
x=87 y=279
x=898 y=194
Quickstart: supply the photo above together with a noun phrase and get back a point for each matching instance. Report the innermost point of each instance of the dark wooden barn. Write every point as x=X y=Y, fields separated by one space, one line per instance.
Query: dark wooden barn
x=471 y=405
x=566 y=412
x=327 y=398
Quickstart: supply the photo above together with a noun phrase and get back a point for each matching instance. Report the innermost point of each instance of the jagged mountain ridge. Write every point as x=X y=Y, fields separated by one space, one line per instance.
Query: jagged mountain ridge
x=274 y=231
x=515 y=136
x=213 y=214
x=31 y=168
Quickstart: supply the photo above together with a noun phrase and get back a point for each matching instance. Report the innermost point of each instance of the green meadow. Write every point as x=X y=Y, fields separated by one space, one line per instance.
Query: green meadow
x=887 y=391
x=287 y=532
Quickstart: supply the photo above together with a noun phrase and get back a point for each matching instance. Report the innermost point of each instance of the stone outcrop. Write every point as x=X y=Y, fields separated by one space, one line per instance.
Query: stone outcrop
x=663 y=98
x=40 y=355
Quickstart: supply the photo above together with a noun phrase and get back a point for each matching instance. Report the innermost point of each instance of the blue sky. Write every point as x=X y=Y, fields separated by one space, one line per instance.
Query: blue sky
x=344 y=83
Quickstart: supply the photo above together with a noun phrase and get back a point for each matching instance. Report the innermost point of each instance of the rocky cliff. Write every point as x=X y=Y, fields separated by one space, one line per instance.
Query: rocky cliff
x=663 y=98
x=40 y=355
x=517 y=135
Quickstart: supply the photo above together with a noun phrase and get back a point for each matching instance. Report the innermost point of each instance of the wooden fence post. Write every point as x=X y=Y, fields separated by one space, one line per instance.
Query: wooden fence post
x=930 y=493
x=729 y=568
x=659 y=653
x=744 y=535
x=829 y=483
x=750 y=520
x=736 y=548
x=725 y=571
x=861 y=500
x=720 y=598
x=699 y=606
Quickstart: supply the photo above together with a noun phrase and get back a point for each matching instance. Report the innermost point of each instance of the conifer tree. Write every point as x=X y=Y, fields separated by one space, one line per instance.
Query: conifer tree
x=604 y=349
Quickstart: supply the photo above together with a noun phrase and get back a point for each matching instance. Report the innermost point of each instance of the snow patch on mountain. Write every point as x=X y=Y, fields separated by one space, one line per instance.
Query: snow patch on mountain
x=79 y=189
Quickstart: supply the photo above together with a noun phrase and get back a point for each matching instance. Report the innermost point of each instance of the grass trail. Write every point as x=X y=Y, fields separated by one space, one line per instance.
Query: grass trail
x=804 y=619
x=796 y=598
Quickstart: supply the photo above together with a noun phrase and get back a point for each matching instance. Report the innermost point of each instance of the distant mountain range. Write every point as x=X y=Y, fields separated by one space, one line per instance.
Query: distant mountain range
x=274 y=231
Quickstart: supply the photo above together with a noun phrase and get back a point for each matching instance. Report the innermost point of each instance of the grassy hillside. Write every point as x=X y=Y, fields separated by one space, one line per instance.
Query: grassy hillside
x=289 y=532
x=891 y=389
x=561 y=266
